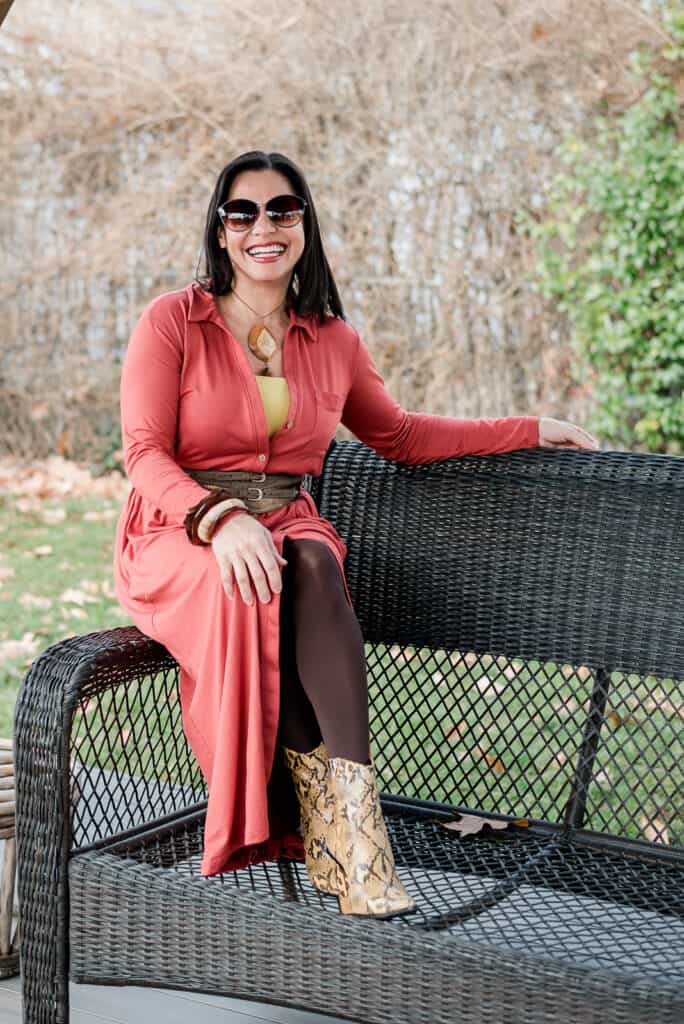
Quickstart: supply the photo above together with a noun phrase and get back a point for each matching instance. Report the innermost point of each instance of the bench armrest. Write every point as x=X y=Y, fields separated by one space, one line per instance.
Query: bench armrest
x=100 y=748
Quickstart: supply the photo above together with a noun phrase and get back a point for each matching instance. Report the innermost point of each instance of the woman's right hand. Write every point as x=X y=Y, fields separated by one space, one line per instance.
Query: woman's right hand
x=244 y=546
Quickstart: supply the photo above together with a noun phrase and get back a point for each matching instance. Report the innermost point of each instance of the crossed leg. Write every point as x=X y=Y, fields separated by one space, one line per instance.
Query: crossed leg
x=323 y=688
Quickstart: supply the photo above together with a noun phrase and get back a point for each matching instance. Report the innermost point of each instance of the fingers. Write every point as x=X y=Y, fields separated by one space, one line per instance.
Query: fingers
x=249 y=559
x=227 y=580
x=586 y=439
x=568 y=435
x=254 y=570
x=274 y=550
x=237 y=568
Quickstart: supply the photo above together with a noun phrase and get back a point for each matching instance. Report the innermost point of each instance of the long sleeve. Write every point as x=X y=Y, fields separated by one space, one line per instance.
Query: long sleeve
x=378 y=420
x=150 y=383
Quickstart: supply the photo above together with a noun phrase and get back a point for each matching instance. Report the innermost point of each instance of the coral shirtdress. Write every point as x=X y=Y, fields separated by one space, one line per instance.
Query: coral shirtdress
x=190 y=398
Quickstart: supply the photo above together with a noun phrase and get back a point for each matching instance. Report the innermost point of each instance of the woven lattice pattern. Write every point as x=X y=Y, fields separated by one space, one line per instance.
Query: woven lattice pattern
x=525 y=656
x=510 y=738
x=516 y=890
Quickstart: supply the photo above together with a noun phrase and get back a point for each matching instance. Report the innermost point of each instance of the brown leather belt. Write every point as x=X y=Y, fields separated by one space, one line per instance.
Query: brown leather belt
x=261 y=492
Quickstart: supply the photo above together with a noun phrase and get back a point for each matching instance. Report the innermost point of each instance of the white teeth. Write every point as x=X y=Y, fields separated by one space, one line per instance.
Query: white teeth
x=266 y=250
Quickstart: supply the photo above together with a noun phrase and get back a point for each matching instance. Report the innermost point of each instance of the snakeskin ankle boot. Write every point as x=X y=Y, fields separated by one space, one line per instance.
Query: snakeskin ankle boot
x=316 y=805
x=361 y=845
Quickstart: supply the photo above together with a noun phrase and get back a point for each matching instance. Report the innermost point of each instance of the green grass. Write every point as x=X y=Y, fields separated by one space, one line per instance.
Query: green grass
x=80 y=562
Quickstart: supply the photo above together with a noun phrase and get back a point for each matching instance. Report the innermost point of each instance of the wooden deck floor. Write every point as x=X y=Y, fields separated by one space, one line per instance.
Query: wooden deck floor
x=108 y=1004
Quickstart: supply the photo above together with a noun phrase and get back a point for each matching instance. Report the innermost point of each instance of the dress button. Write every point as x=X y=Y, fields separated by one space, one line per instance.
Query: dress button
x=262 y=458
x=290 y=424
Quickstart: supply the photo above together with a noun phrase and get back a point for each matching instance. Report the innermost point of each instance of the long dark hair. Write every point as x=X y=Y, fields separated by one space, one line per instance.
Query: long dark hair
x=312 y=289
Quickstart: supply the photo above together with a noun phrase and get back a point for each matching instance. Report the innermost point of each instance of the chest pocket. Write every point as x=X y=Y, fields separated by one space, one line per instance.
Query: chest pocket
x=329 y=405
x=331 y=400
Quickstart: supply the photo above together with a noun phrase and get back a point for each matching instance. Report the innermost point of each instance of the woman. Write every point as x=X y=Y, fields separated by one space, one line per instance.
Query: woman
x=231 y=390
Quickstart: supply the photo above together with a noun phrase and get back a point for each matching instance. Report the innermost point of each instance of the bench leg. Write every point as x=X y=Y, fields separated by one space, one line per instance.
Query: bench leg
x=42 y=722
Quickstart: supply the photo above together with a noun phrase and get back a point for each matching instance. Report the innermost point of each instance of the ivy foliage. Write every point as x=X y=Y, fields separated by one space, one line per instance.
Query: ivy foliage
x=610 y=252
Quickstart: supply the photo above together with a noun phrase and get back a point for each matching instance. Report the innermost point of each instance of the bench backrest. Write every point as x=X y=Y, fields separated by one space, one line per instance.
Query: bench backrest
x=524 y=618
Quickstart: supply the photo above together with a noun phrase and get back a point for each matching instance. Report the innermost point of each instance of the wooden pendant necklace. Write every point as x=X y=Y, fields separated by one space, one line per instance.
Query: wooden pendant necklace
x=260 y=340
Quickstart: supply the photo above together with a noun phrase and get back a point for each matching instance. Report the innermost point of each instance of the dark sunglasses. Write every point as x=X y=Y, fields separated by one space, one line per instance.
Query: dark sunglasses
x=283 y=211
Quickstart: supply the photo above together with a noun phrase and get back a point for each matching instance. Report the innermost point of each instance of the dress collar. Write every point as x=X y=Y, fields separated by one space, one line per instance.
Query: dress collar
x=203 y=307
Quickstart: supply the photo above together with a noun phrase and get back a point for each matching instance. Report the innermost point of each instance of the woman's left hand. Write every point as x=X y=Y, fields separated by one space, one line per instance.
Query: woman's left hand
x=560 y=434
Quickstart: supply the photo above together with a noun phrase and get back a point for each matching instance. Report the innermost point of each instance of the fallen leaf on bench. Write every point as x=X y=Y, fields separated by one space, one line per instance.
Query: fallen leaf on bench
x=469 y=824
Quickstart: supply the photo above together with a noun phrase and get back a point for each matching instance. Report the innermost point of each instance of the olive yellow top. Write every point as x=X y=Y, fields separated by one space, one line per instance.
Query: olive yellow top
x=276 y=398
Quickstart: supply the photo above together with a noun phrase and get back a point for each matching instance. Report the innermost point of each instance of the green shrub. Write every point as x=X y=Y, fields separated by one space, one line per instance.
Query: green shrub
x=610 y=251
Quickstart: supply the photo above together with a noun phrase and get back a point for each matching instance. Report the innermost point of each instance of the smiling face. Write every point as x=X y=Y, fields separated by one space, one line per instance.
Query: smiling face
x=261 y=186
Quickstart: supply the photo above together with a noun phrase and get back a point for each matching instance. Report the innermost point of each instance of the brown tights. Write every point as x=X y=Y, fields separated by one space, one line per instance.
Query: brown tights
x=323 y=690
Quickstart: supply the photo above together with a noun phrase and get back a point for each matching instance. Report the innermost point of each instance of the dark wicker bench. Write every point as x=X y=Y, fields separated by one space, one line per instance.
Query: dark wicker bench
x=524 y=617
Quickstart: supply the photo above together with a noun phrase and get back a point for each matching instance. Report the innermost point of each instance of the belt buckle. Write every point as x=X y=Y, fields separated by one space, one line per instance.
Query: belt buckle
x=259 y=496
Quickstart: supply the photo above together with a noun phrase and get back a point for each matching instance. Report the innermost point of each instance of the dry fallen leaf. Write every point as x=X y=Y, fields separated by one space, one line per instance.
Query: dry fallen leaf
x=654 y=829
x=579 y=671
x=90 y=586
x=487 y=685
x=617 y=718
x=77 y=597
x=105 y=515
x=603 y=777
x=16 y=648
x=491 y=759
x=43 y=549
x=470 y=824
x=57 y=477
x=35 y=601
x=29 y=505
x=565 y=707
x=455 y=734
x=53 y=515
x=658 y=701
